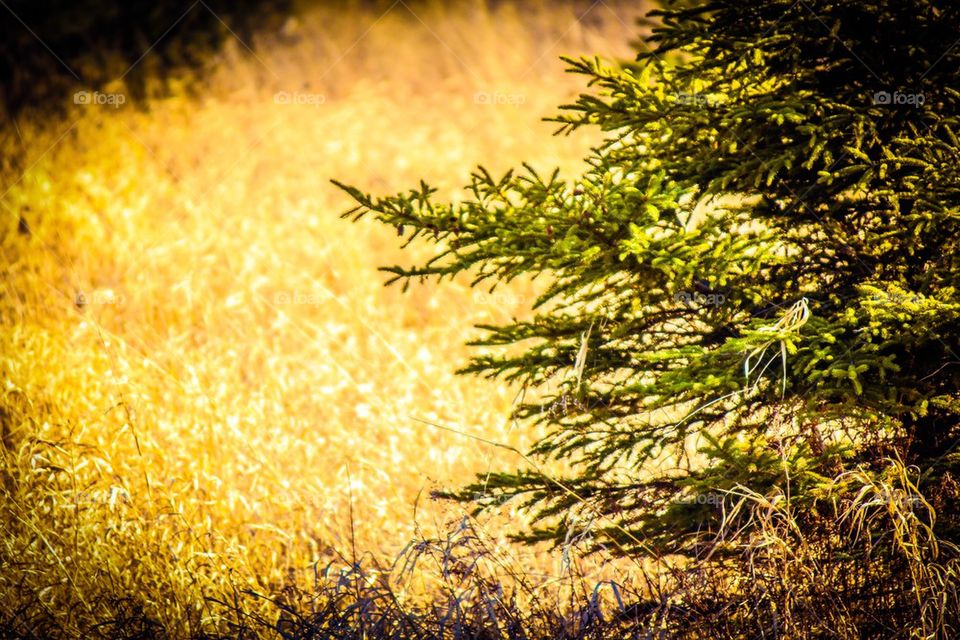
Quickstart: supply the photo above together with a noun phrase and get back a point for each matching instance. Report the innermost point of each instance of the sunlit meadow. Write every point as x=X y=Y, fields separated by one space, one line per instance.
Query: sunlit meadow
x=205 y=386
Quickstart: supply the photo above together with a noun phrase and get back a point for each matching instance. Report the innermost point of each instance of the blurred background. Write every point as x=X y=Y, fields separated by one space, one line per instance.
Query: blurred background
x=200 y=364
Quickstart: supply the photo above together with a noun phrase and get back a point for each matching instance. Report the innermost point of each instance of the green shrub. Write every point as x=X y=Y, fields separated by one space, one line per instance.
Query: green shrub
x=748 y=348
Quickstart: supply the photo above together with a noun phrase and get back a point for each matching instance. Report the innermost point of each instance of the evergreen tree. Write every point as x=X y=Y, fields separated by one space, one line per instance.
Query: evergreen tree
x=752 y=306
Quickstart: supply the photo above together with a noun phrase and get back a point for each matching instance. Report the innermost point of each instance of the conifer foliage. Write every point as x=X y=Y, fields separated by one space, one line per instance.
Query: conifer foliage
x=752 y=314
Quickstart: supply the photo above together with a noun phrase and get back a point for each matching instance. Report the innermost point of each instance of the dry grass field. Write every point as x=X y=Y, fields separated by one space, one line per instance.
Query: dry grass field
x=205 y=385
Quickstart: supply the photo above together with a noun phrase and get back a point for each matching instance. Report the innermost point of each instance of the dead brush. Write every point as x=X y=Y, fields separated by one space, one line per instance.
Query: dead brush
x=889 y=512
x=836 y=574
x=456 y=586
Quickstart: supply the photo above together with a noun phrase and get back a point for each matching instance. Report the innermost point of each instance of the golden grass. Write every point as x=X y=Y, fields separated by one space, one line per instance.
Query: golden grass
x=236 y=397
